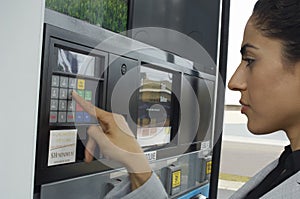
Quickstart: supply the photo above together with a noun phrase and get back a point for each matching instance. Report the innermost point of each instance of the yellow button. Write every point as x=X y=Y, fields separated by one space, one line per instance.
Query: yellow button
x=208 y=167
x=81 y=84
x=176 y=179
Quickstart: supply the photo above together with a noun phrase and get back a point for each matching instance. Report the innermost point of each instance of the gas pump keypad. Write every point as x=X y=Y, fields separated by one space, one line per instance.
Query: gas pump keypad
x=63 y=109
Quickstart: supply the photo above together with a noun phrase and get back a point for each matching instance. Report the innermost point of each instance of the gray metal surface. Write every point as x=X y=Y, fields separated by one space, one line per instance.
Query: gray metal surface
x=87 y=187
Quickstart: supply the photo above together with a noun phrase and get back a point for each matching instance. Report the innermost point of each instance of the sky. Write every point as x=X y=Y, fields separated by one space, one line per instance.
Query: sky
x=240 y=11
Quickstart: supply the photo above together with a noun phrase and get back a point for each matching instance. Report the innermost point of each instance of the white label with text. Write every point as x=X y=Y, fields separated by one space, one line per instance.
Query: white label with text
x=62 y=146
x=204 y=145
x=150 y=155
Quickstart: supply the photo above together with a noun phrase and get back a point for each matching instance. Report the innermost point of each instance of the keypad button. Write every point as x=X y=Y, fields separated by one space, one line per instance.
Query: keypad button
x=55 y=81
x=53 y=117
x=54 y=105
x=62 y=117
x=54 y=93
x=70 y=93
x=70 y=117
x=80 y=93
x=63 y=93
x=72 y=83
x=86 y=117
x=71 y=106
x=79 y=117
x=64 y=82
x=62 y=105
x=78 y=107
x=88 y=95
x=81 y=84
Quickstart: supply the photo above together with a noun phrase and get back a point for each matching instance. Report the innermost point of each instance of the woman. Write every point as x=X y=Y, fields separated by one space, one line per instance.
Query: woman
x=269 y=81
x=268 y=78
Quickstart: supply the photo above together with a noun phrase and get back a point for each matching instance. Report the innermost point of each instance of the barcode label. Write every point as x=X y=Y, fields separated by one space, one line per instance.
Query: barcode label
x=151 y=155
x=204 y=145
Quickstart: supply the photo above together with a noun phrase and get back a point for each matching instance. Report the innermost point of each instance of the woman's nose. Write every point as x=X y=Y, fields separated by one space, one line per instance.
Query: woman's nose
x=238 y=80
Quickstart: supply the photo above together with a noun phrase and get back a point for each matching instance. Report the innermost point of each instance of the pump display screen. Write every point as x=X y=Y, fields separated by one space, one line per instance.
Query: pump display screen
x=76 y=63
x=154 y=107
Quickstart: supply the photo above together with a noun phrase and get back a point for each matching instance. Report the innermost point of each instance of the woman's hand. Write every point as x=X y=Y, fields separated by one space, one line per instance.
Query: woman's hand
x=116 y=142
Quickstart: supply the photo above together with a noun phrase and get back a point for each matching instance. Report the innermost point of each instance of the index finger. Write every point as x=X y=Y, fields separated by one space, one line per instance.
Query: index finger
x=89 y=107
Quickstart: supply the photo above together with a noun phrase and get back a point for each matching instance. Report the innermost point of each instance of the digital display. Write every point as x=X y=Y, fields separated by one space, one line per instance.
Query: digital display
x=76 y=63
x=154 y=107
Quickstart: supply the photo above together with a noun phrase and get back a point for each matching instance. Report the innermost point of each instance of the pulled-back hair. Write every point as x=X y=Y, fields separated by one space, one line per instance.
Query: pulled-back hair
x=280 y=19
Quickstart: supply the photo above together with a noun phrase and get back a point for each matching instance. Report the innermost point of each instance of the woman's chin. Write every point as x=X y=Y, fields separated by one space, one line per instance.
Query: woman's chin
x=257 y=130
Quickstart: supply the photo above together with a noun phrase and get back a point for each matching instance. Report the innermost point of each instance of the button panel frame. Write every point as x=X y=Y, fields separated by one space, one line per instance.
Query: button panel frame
x=64 y=111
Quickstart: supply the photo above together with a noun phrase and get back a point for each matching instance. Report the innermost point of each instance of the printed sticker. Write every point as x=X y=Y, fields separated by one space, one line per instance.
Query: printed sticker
x=208 y=167
x=62 y=146
x=205 y=145
x=176 y=178
x=150 y=155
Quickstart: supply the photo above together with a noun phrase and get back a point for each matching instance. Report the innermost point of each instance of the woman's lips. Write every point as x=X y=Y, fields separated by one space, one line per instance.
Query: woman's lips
x=245 y=106
x=244 y=109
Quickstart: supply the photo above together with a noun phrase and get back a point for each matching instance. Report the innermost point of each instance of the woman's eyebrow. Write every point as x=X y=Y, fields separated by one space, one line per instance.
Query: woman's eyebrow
x=245 y=46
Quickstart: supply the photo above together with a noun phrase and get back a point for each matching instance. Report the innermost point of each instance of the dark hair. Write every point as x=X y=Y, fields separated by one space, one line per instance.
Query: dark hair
x=280 y=19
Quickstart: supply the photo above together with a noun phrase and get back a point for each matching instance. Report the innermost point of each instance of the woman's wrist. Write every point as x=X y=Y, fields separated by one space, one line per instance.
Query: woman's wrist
x=139 y=169
x=138 y=179
x=136 y=163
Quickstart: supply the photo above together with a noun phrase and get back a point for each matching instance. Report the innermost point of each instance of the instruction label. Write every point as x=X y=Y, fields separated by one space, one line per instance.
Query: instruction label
x=62 y=147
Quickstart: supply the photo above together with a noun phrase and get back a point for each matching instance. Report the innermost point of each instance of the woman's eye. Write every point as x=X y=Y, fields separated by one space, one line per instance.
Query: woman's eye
x=249 y=61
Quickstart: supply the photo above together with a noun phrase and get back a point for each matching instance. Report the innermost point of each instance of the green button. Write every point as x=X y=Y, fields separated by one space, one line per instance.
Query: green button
x=80 y=93
x=88 y=95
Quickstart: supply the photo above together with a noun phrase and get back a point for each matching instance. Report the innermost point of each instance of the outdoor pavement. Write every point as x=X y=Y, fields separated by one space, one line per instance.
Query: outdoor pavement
x=227 y=188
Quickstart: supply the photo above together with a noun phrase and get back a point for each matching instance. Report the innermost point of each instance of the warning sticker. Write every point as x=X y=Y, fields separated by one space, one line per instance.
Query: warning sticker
x=176 y=178
x=208 y=167
x=62 y=146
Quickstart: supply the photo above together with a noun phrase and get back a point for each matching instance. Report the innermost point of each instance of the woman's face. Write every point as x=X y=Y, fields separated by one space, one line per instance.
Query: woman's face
x=270 y=89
